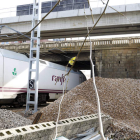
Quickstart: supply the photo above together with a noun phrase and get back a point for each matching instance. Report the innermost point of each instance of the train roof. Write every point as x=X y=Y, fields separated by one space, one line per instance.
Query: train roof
x=60 y=67
x=13 y=55
x=22 y=57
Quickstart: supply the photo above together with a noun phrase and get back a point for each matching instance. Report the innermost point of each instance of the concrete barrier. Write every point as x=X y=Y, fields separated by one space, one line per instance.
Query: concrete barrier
x=46 y=131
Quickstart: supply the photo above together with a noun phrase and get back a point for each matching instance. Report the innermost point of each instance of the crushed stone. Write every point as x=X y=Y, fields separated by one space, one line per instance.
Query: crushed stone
x=120 y=98
x=9 y=119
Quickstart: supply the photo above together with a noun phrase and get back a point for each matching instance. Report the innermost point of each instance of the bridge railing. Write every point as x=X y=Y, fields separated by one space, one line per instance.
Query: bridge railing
x=73 y=45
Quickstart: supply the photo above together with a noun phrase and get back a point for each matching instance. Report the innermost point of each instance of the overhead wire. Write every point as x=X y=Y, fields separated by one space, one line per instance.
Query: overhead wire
x=91 y=11
x=94 y=27
x=38 y=22
x=94 y=85
x=68 y=74
x=7 y=8
x=117 y=11
x=59 y=109
x=87 y=36
x=71 y=69
x=14 y=30
x=53 y=9
x=67 y=57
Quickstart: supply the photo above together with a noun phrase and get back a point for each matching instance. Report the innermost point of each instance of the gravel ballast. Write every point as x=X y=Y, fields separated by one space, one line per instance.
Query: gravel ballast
x=9 y=119
x=120 y=98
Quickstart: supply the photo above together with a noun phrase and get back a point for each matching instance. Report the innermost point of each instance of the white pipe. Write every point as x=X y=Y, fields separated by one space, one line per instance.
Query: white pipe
x=60 y=105
x=97 y=96
x=94 y=85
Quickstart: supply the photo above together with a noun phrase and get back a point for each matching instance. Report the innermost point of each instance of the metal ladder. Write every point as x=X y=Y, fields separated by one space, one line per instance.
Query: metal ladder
x=32 y=87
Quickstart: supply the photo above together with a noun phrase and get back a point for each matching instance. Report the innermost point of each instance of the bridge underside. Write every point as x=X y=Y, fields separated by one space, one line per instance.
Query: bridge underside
x=82 y=63
x=67 y=24
x=82 y=32
x=113 y=58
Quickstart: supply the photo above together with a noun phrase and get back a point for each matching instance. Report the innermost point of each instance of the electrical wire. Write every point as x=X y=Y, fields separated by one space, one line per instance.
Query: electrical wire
x=94 y=85
x=7 y=8
x=38 y=22
x=73 y=65
x=67 y=57
x=87 y=36
x=90 y=11
x=60 y=104
x=53 y=9
x=117 y=11
x=93 y=28
x=13 y=30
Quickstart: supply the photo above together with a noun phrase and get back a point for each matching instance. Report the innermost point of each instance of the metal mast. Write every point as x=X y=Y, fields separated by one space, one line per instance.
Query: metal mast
x=33 y=73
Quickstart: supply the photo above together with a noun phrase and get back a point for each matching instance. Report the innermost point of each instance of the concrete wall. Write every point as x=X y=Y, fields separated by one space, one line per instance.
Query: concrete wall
x=118 y=62
x=46 y=131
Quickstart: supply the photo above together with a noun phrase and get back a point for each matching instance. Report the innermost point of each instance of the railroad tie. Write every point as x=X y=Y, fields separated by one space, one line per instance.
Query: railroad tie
x=37 y=118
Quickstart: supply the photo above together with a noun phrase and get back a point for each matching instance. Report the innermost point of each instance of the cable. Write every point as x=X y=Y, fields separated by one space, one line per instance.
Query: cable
x=94 y=85
x=38 y=22
x=7 y=12
x=87 y=36
x=90 y=11
x=92 y=29
x=117 y=11
x=53 y=9
x=7 y=8
x=13 y=30
x=60 y=103
x=67 y=57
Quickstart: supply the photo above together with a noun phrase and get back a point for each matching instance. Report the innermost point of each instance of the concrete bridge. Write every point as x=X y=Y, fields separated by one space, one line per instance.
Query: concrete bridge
x=113 y=58
x=72 y=23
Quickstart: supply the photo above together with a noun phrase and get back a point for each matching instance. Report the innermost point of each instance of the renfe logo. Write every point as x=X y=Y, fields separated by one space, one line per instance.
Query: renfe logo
x=58 y=78
x=14 y=72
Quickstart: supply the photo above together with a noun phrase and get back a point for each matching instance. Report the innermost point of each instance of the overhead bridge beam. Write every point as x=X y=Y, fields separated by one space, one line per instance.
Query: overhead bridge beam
x=72 y=23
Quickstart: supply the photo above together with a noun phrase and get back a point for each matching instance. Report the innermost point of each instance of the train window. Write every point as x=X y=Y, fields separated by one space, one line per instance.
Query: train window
x=43 y=62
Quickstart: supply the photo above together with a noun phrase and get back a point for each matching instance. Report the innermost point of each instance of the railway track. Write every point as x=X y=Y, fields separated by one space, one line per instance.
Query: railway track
x=21 y=110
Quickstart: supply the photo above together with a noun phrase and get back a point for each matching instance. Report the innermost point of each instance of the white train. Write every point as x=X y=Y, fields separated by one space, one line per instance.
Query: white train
x=14 y=78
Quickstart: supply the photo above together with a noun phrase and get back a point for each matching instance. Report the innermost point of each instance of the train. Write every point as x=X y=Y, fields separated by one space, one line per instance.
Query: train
x=14 y=78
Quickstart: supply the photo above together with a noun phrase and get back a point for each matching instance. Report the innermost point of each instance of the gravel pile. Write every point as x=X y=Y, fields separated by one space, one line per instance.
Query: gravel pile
x=9 y=119
x=120 y=98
